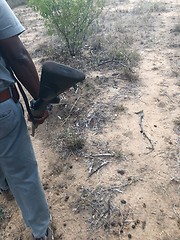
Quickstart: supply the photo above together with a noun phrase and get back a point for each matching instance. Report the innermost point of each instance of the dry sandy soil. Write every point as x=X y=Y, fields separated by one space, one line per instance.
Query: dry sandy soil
x=109 y=155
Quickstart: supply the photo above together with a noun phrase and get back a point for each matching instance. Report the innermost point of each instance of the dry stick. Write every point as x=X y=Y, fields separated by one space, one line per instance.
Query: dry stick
x=128 y=183
x=70 y=111
x=168 y=97
x=91 y=167
x=165 y=94
x=176 y=213
x=141 y=115
x=112 y=60
x=100 y=218
x=100 y=166
x=100 y=155
x=109 y=214
x=115 y=189
x=123 y=223
x=99 y=213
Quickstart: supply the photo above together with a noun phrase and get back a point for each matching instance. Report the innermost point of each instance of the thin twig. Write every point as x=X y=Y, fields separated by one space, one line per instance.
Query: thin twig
x=115 y=189
x=71 y=111
x=91 y=166
x=99 y=167
x=100 y=155
x=141 y=116
x=176 y=213
x=109 y=213
x=100 y=217
x=165 y=94
x=133 y=180
x=168 y=97
x=112 y=60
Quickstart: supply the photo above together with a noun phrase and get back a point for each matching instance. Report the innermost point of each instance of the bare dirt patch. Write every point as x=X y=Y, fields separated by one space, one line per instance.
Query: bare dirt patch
x=109 y=155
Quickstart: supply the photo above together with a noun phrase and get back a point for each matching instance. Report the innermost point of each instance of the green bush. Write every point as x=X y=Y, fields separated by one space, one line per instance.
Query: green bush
x=70 y=19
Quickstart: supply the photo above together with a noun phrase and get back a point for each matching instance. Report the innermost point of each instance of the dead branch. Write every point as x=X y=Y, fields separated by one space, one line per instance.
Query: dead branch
x=141 y=116
x=100 y=218
x=165 y=94
x=115 y=189
x=99 y=167
x=169 y=97
x=114 y=61
x=71 y=111
x=176 y=213
x=109 y=213
x=100 y=155
x=133 y=180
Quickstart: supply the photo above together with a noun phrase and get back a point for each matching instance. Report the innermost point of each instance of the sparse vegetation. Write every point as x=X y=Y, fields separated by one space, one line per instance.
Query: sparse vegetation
x=70 y=140
x=103 y=166
x=73 y=142
x=143 y=7
x=130 y=75
x=70 y=19
x=119 y=155
x=129 y=58
x=119 y=108
x=99 y=203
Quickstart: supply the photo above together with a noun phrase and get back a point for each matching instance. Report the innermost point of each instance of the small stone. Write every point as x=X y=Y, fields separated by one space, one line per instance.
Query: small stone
x=113 y=224
x=144 y=205
x=123 y=201
x=106 y=226
x=115 y=233
x=143 y=225
x=122 y=172
x=66 y=198
x=137 y=221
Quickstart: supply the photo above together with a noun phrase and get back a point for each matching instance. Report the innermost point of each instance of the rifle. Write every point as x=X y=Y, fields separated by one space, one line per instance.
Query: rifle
x=55 y=79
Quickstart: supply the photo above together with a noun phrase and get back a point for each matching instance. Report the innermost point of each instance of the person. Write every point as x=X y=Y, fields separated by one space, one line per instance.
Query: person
x=18 y=166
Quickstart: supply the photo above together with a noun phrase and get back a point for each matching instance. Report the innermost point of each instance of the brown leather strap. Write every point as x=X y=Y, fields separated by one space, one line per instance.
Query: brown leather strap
x=10 y=92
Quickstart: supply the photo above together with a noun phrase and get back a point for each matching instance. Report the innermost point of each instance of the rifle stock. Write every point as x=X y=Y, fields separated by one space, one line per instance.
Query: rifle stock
x=55 y=79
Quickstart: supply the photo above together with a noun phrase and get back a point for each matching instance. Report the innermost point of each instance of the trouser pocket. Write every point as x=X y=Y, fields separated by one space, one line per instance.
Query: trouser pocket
x=8 y=118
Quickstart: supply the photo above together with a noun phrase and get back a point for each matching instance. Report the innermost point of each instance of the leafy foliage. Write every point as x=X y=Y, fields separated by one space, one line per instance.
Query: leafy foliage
x=70 y=19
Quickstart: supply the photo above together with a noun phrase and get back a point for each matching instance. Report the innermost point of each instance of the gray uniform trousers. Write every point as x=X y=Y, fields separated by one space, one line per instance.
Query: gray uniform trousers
x=18 y=168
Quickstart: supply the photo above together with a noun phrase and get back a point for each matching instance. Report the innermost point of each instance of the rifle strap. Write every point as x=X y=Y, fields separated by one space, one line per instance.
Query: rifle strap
x=26 y=101
x=22 y=92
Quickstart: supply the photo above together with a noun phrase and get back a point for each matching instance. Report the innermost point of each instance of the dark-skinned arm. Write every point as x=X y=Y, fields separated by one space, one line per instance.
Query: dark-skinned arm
x=19 y=60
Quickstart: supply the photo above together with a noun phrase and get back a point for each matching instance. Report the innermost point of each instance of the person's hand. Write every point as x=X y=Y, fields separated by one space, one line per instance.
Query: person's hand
x=39 y=120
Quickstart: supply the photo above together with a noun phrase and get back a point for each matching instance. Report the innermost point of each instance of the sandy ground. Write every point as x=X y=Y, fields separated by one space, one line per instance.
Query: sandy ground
x=135 y=193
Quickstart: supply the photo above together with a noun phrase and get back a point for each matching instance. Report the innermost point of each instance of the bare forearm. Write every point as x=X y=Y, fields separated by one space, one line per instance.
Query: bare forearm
x=26 y=73
x=21 y=63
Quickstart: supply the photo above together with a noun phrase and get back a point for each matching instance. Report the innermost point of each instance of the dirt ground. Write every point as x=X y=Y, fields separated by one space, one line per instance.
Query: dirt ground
x=109 y=155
